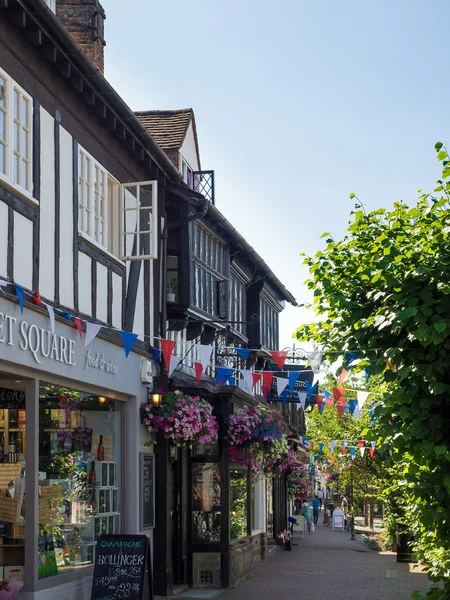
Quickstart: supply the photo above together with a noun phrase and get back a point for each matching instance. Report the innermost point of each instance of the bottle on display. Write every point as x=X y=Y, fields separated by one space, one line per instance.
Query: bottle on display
x=91 y=480
x=100 y=450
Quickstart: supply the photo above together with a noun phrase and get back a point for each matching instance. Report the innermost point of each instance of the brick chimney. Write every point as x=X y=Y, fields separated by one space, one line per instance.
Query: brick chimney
x=84 y=20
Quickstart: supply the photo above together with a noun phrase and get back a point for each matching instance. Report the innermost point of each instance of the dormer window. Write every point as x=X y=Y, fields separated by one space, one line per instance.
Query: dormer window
x=187 y=173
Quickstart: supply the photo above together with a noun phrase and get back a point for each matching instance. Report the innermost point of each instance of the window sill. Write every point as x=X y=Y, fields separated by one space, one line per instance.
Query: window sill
x=101 y=248
x=19 y=191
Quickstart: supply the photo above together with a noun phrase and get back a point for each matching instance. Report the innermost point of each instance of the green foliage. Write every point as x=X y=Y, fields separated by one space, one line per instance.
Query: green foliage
x=384 y=290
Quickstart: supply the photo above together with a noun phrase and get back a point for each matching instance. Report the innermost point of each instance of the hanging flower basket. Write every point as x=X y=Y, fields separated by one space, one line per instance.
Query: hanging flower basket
x=181 y=418
x=261 y=430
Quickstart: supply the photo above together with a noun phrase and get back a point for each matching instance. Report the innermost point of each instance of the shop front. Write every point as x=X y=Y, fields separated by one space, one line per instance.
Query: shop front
x=69 y=451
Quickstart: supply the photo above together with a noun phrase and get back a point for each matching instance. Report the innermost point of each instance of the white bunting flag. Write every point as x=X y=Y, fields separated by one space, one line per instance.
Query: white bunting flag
x=362 y=450
x=373 y=444
x=282 y=383
x=92 y=330
x=302 y=399
x=51 y=314
x=247 y=382
x=362 y=397
x=204 y=354
x=2 y=283
x=174 y=362
x=390 y=451
x=315 y=358
x=357 y=413
x=333 y=445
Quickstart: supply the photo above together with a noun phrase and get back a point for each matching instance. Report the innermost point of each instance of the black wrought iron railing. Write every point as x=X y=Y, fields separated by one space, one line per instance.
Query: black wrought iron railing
x=204 y=184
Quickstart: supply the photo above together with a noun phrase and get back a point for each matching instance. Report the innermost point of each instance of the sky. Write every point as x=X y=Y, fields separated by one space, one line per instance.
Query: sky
x=297 y=105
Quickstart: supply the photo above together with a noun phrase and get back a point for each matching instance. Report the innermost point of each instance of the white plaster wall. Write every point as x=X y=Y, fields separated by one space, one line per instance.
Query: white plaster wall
x=47 y=208
x=84 y=284
x=3 y=239
x=102 y=293
x=23 y=251
x=66 y=273
x=188 y=151
x=117 y=301
x=138 y=326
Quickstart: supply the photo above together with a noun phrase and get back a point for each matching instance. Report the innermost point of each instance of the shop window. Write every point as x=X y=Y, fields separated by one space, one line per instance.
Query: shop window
x=206 y=511
x=238 y=503
x=80 y=476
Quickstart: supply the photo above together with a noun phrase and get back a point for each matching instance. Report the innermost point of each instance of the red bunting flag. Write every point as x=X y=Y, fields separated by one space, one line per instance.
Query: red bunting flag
x=337 y=393
x=311 y=444
x=256 y=377
x=372 y=452
x=342 y=449
x=77 y=322
x=267 y=377
x=319 y=401
x=341 y=407
x=342 y=376
x=329 y=402
x=361 y=443
x=166 y=348
x=279 y=358
x=198 y=371
x=36 y=298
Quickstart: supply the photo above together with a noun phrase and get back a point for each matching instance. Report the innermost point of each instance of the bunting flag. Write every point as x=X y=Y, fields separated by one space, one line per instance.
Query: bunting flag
x=19 y=292
x=36 y=298
x=2 y=284
x=373 y=444
x=329 y=402
x=223 y=375
x=174 y=362
x=167 y=347
x=350 y=357
x=308 y=386
x=293 y=376
x=371 y=452
x=315 y=358
x=345 y=408
x=243 y=352
x=92 y=330
x=332 y=445
x=381 y=453
x=352 y=404
x=322 y=408
x=362 y=449
x=319 y=402
x=361 y=443
x=66 y=315
x=128 y=340
x=302 y=399
x=77 y=322
x=362 y=397
x=321 y=447
x=198 y=371
x=204 y=353
x=316 y=458
x=282 y=383
x=341 y=408
x=279 y=358
x=342 y=376
x=357 y=413
x=342 y=449
x=247 y=379
x=156 y=354
x=337 y=394
x=352 y=450
x=267 y=377
x=51 y=314
x=255 y=378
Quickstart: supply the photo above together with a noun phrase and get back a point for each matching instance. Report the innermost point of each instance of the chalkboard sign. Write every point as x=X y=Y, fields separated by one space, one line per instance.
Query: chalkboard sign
x=147 y=491
x=120 y=565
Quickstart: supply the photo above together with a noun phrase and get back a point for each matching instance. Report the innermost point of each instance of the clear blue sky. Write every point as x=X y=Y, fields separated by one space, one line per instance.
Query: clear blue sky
x=297 y=104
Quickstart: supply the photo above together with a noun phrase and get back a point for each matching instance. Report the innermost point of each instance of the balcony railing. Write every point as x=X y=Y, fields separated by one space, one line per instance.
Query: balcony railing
x=203 y=183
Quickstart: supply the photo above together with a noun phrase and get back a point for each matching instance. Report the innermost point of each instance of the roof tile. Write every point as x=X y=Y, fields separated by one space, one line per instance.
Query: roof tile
x=167 y=127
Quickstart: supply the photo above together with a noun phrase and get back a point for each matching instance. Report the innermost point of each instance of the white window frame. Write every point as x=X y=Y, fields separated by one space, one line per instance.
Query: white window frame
x=185 y=169
x=90 y=197
x=51 y=4
x=152 y=230
x=26 y=126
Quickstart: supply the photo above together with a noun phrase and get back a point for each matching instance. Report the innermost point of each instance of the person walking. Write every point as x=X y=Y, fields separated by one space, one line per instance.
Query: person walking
x=326 y=516
x=306 y=514
x=316 y=509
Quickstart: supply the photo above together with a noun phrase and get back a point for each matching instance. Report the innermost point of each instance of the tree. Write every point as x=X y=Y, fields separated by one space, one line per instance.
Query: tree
x=384 y=290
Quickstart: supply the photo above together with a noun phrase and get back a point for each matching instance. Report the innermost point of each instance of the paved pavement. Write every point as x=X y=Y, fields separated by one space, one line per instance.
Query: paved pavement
x=327 y=565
